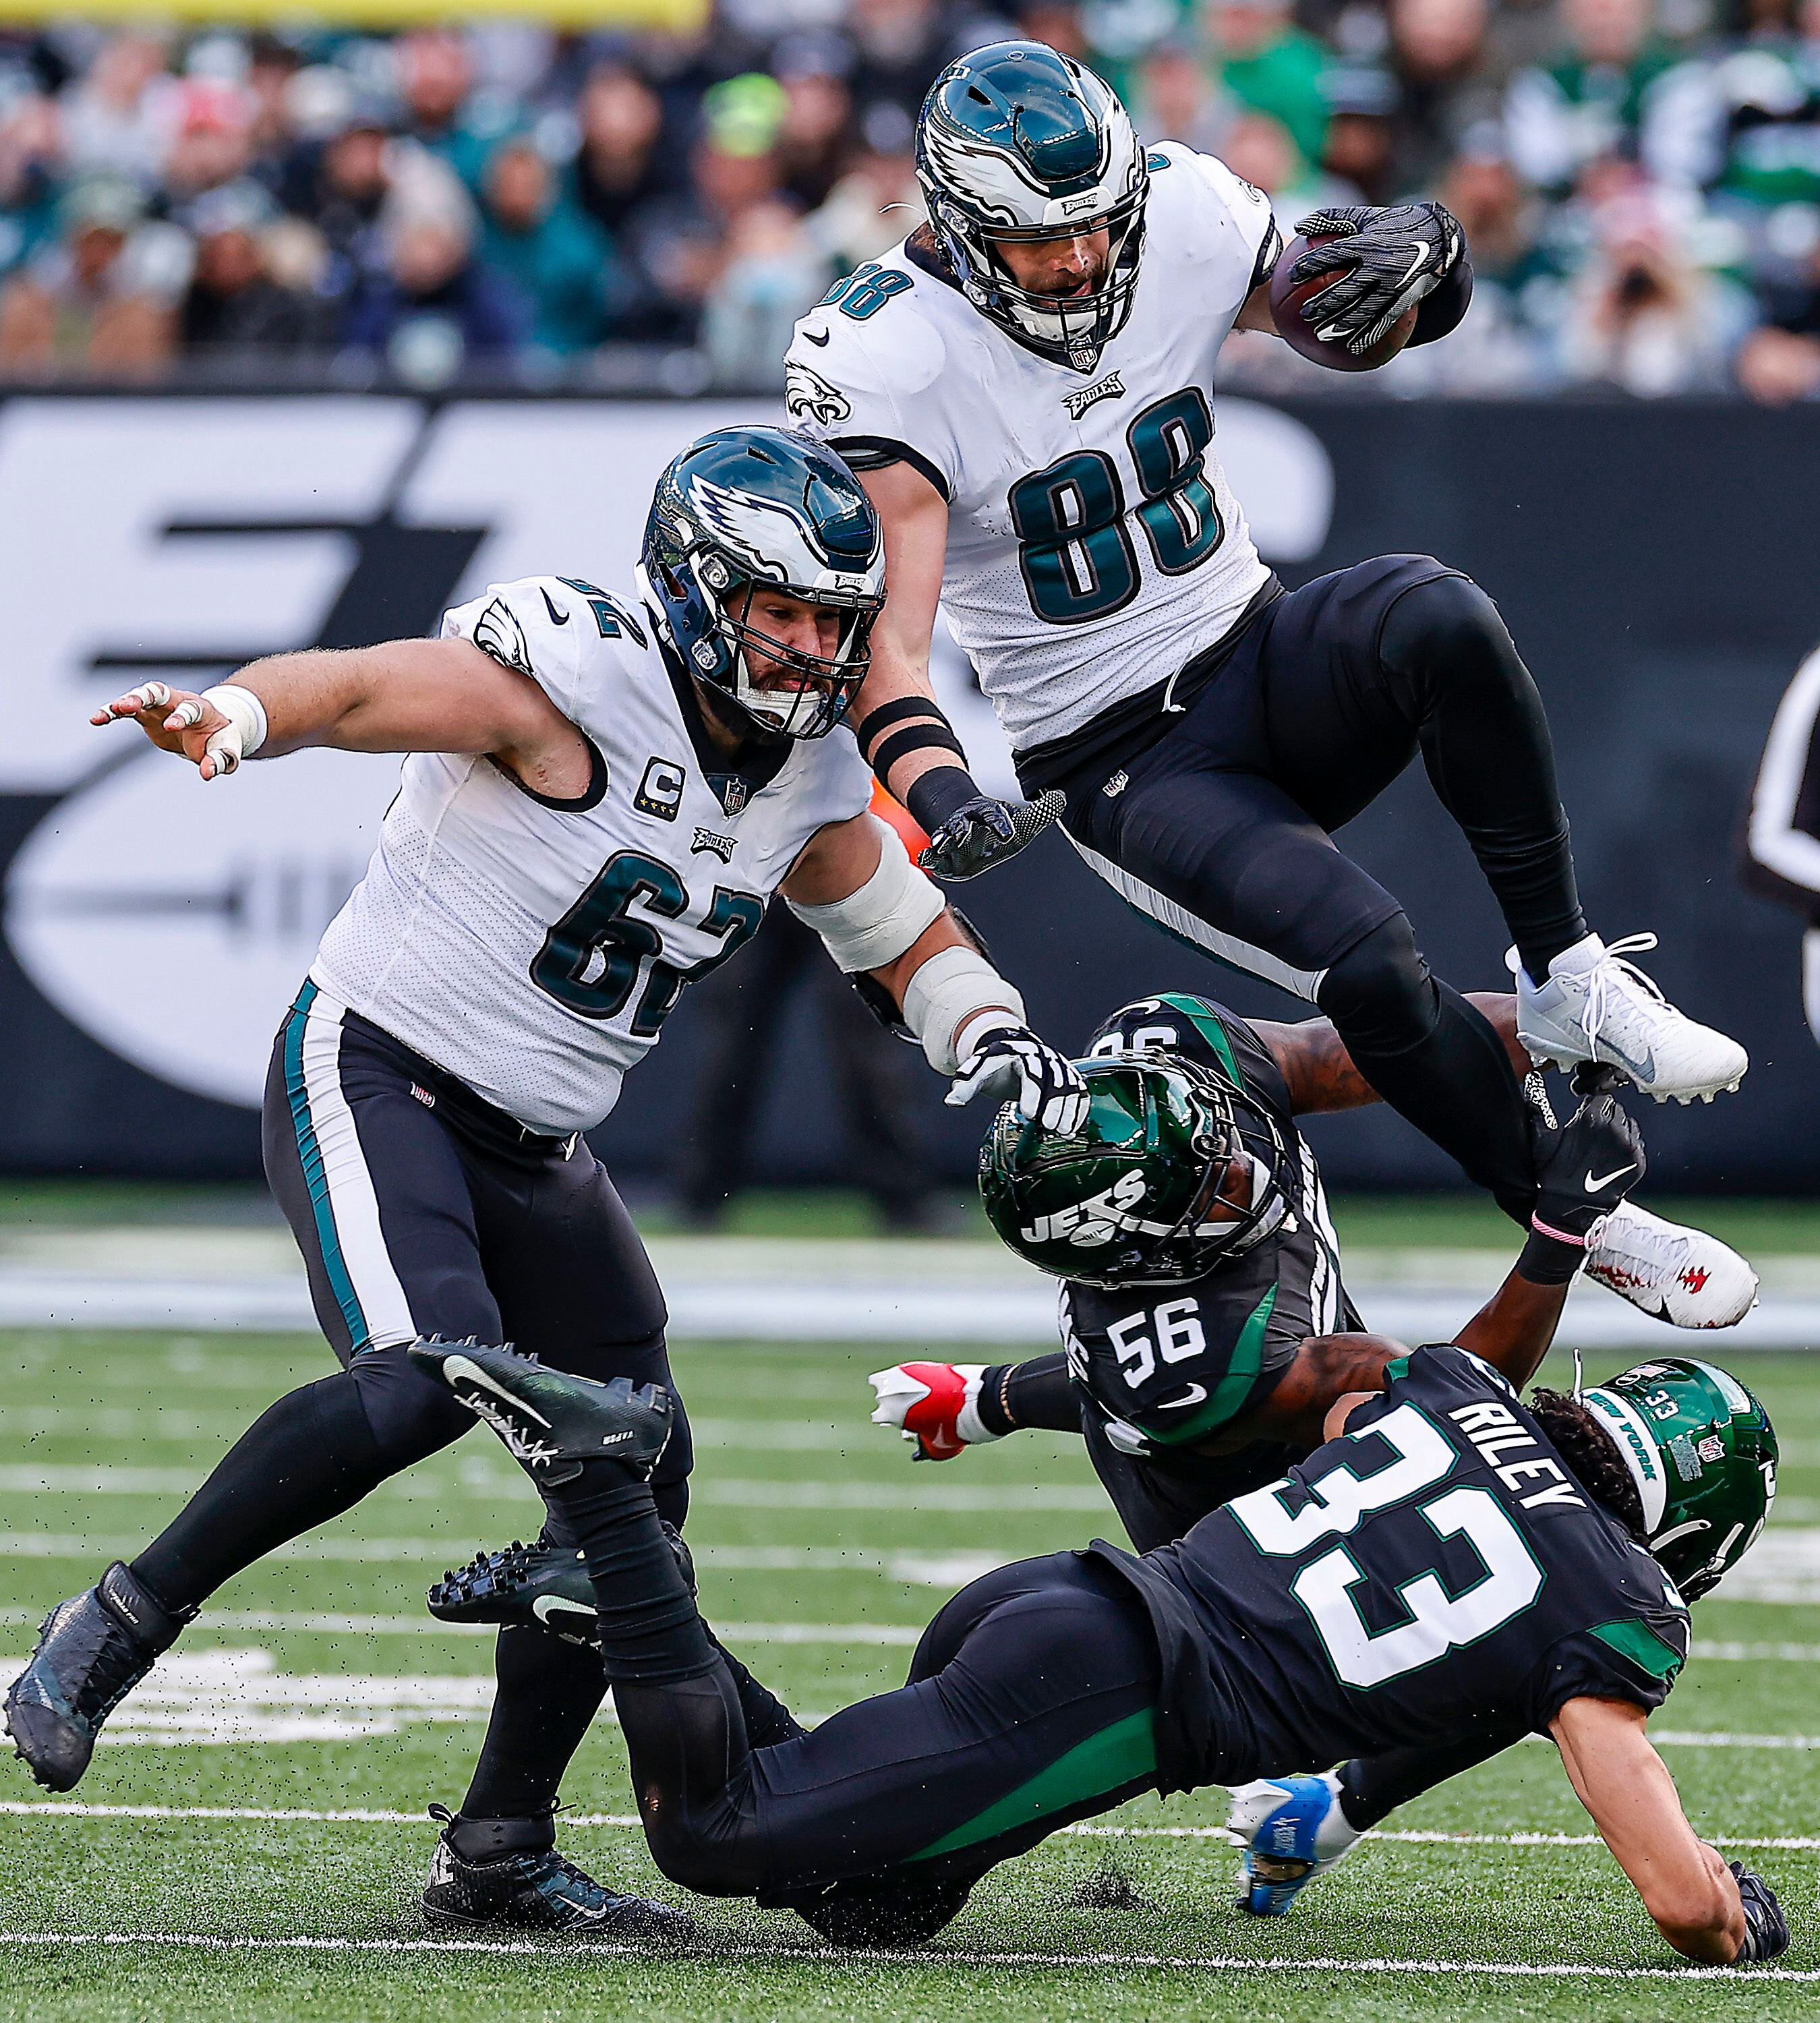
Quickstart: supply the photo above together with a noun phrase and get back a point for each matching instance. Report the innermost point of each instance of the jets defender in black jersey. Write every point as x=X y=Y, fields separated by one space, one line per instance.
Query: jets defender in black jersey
x=1172 y=1357
x=1200 y=1359
x=1449 y=1563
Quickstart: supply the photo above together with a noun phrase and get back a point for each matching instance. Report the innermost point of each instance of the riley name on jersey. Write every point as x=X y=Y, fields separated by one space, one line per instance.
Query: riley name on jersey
x=571 y=927
x=1093 y=537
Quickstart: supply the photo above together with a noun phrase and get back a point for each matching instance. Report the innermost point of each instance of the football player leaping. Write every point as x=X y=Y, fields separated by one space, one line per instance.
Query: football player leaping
x=1450 y=1563
x=1024 y=386
x=601 y=797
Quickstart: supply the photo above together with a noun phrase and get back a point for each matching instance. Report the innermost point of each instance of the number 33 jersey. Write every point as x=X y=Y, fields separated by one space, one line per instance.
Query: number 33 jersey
x=1093 y=543
x=1434 y=1576
x=534 y=947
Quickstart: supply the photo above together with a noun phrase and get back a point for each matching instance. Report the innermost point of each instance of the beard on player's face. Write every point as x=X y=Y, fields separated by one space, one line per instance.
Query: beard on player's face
x=1073 y=264
x=780 y=631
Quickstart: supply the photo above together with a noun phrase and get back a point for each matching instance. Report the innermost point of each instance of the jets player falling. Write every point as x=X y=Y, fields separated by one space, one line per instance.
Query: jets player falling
x=1024 y=387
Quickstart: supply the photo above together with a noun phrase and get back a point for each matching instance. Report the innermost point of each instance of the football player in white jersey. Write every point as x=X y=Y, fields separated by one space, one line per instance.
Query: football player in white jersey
x=602 y=794
x=1024 y=385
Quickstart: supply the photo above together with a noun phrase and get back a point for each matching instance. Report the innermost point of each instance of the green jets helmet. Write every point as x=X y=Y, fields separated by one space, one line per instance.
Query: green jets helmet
x=1175 y=1170
x=1702 y=1452
x=1017 y=140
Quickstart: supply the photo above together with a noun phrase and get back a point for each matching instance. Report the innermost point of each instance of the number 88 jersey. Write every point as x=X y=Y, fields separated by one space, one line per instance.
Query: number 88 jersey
x=1093 y=543
x=534 y=947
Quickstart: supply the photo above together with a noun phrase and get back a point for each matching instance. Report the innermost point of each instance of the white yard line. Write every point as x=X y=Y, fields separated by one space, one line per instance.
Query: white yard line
x=934 y=1957
x=821 y=1293
x=361 y=1815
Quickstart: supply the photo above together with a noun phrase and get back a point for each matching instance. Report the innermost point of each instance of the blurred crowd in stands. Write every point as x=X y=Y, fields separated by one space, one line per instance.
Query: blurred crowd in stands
x=1639 y=179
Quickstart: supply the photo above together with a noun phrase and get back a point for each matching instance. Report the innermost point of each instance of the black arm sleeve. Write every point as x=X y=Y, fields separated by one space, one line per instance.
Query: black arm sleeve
x=1440 y=310
x=1036 y=1393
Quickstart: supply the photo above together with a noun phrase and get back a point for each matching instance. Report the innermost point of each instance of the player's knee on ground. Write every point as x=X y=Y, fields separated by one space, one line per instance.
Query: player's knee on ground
x=1447 y=631
x=1379 y=994
x=410 y=1416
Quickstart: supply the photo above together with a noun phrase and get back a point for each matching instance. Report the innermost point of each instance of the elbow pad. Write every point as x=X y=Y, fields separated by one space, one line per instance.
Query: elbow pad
x=874 y=925
x=945 y=992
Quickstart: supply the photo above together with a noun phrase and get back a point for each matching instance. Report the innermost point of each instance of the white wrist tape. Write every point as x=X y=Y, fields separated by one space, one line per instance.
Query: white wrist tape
x=244 y=731
x=945 y=993
x=874 y=925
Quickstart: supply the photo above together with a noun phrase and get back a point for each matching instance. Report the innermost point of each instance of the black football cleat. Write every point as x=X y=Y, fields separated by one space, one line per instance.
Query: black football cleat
x=551 y=1422
x=92 y=1651
x=542 y=1585
x=521 y=1883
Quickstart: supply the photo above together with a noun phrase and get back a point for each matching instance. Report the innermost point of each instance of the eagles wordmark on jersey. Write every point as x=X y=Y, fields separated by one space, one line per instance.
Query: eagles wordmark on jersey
x=1094 y=541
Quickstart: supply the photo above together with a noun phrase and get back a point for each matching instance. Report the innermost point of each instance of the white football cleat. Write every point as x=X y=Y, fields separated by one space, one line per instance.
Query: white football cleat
x=1682 y=1276
x=1289 y=1830
x=1595 y=1006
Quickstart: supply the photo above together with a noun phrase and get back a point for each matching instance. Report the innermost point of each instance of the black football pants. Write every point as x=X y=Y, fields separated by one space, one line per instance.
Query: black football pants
x=1219 y=828
x=422 y=1210
x=1031 y=1702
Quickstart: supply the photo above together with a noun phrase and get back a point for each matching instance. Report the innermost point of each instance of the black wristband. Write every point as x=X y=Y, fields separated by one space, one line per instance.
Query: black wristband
x=901 y=709
x=913 y=738
x=1439 y=311
x=933 y=796
x=1550 y=1260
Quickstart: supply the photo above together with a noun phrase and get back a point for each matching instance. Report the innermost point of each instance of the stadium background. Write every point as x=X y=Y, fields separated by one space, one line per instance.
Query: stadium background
x=303 y=334
x=309 y=331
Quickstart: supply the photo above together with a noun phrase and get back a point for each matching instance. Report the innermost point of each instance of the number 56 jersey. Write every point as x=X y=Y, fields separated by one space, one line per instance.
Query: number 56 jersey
x=1093 y=543
x=533 y=947
x=1434 y=1576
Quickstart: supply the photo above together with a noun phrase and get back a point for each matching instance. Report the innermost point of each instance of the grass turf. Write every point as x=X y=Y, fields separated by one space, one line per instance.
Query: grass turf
x=807 y=1520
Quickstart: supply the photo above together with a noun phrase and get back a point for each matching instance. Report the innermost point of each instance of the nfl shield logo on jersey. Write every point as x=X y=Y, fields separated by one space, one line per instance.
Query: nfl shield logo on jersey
x=731 y=790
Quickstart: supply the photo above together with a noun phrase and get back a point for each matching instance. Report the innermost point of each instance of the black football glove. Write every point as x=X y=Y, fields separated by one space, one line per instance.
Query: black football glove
x=983 y=833
x=1385 y=261
x=1766 y=1930
x=1586 y=1167
x=1014 y=1065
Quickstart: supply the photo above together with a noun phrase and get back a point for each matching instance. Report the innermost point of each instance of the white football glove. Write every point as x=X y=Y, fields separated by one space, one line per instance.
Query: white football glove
x=1012 y=1064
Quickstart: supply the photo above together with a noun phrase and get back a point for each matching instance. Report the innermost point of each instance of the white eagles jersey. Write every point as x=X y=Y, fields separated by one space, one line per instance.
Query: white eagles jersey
x=1093 y=543
x=533 y=948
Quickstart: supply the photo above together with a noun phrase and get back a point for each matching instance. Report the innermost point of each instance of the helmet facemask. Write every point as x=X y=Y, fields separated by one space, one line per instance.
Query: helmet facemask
x=1178 y=1175
x=805 y=694
x=1072 y=330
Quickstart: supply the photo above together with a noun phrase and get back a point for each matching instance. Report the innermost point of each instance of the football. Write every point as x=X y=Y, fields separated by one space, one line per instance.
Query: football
x=1288 y=299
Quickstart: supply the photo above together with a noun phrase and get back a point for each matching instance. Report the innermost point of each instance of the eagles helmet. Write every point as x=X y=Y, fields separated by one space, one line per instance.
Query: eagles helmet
x=1018 y=141
x=1702 y=1452
x=1174 y=1171
x=749 y=505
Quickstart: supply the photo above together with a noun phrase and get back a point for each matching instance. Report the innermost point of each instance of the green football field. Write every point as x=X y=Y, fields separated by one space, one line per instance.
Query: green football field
x=251 y=1843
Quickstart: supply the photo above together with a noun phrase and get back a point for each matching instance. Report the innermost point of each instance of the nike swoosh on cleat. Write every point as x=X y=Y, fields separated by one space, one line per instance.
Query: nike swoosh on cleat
x=547 y=1605
x=1192 y=1395
x=460 y=1366
x=556 y=617
x=1593 y=1181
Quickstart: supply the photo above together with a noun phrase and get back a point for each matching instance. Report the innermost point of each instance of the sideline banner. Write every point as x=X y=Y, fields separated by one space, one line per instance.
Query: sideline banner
x=1655 y=563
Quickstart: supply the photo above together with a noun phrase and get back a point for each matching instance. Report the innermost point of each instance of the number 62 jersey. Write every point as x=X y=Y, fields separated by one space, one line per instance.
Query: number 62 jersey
x=1093 y=543
x=533 y=947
